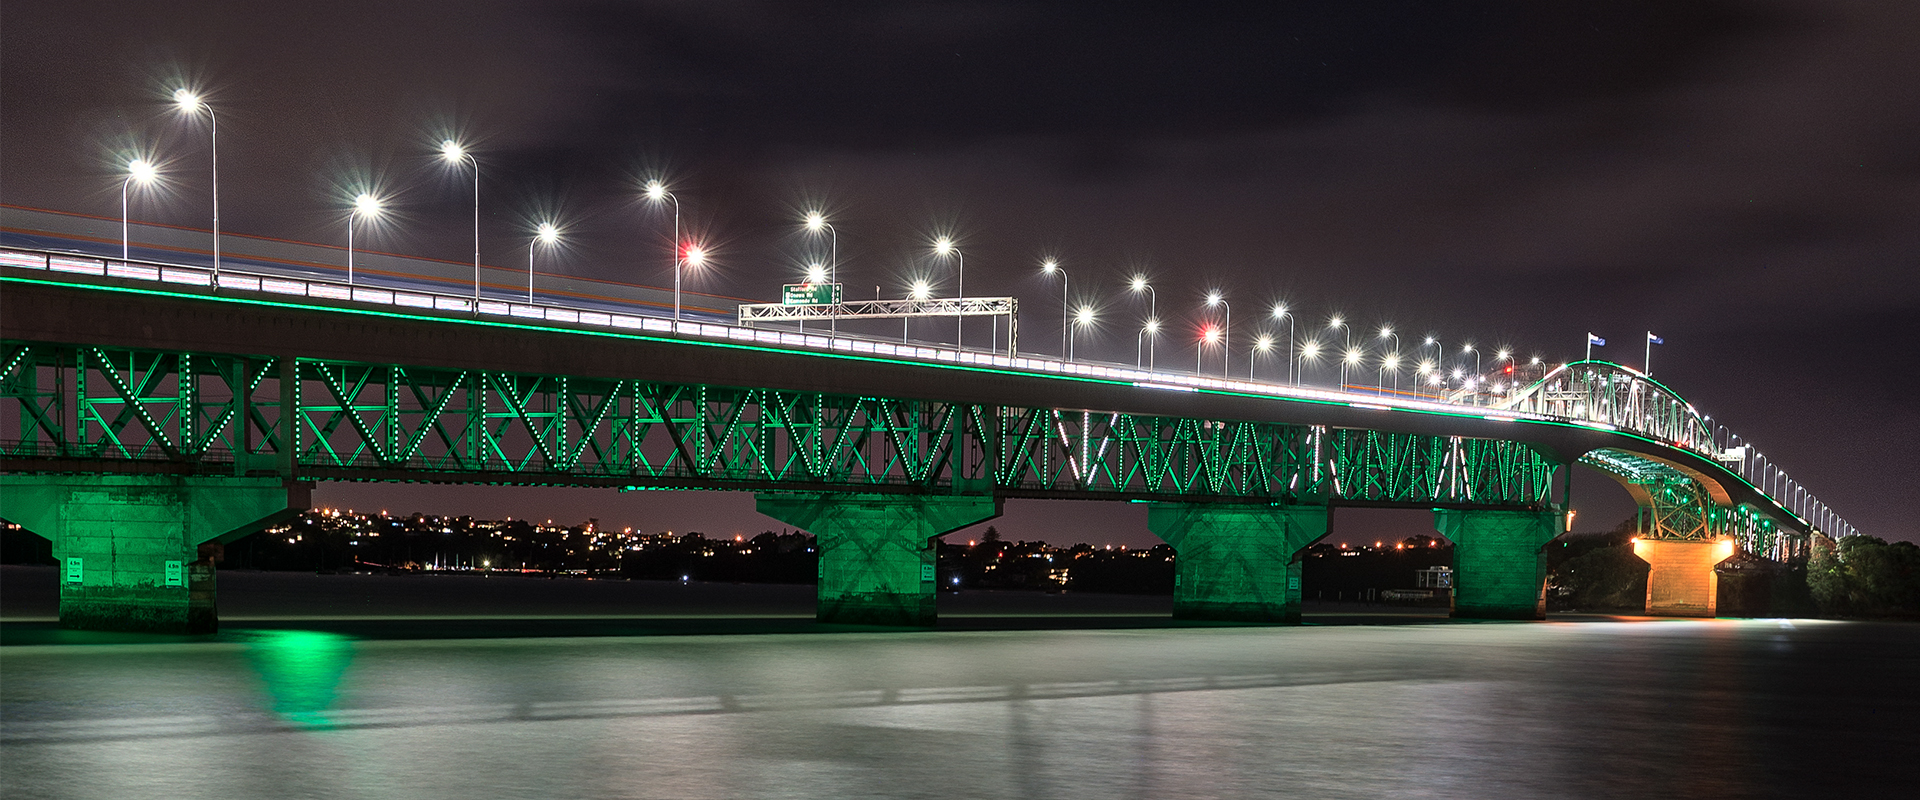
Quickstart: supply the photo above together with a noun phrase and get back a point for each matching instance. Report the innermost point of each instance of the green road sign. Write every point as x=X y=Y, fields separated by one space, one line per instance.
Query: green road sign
x=810 y=294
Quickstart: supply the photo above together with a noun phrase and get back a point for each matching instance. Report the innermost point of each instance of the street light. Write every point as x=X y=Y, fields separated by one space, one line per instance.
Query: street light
x=1208 y=335
x=365 y=205
x=139 y=171
x=1351 y=359
x=545 y=234
x=1081 y=318
x=1439 y=359
x=1280 y=312
x=1226 y=329
x=1264 y=344
x=1309 y=351
x=1151 y=328
x=1390 y=363
x=920 y=290
x=191 y=103
x=815 y=223
x=1049 y=267
x=816 y=273
x=453 y=152
x=943 y=246
x=1139 y=284
x=657 y=192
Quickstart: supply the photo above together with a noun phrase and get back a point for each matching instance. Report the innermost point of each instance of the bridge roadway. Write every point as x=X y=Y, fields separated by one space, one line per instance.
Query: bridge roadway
x=874 y=448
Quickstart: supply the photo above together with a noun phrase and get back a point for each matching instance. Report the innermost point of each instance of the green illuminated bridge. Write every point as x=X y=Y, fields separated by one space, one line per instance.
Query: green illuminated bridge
x=147 y=413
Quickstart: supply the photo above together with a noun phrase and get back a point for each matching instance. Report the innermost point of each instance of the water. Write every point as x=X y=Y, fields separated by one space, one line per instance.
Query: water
x=1760 y=708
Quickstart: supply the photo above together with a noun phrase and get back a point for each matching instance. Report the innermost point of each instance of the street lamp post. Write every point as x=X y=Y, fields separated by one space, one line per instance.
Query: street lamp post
x=1337 y=321
x=1207 y=337
x=366 y=205
x=453 y=153
x=1049 y=267
x=1439 y=358
x=545 y=234
x=943 y=246
x=1139 y=284
x=816 y=222
x=1226 y=330
x=1150 y=328
x=656 y=192
x=191 y=103
x=1263 y=344
x=920 y=290
x=139 y=171
x=1280 y=312
x=1081 y=318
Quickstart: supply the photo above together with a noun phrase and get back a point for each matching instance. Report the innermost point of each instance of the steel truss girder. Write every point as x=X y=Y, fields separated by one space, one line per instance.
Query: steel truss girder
x=355 y=420
x=1675 y=507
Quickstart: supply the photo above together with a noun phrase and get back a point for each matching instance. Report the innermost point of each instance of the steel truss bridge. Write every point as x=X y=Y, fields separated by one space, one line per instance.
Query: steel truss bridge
x=135 y=368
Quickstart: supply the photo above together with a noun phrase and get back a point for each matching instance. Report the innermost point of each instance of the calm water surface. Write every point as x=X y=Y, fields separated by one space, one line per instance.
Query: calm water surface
x=1594 y=709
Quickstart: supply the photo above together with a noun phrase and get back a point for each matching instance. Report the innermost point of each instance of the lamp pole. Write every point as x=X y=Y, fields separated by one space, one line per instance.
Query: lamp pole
x=816 y=222
x=142 y=171
x=192 y=104
x=1049 y=267
x=368 y=205
x=656 y=192
x=943 y=246
x=1226 y=330
x=547 y=234
x=453 y=152
x=1139 y=284
x=1280 y=312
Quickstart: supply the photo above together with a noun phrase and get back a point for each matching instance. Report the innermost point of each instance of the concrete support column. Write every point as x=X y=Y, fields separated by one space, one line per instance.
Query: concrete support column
x=1681 y=581
x=130 y=547
x=1499 y=569
x=877 y=551
x=1237 y=563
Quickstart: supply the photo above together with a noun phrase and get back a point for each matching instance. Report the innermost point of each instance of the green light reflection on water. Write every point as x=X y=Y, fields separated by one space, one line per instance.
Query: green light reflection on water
x=301 y=670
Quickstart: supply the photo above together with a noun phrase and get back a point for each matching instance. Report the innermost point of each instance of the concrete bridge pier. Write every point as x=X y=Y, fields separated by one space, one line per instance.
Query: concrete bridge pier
x=1681 y=581
x=132 y=548
x=1237 y=563
x=877 y=550
x=1499 y=569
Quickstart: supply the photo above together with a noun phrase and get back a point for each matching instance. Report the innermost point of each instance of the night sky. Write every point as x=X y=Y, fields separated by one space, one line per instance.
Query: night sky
x=1742 y=179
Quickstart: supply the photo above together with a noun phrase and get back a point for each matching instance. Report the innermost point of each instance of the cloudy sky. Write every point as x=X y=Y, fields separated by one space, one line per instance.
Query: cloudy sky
x=1741 y=178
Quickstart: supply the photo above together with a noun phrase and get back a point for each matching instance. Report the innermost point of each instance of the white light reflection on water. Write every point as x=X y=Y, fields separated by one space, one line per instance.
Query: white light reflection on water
x=1495 y=710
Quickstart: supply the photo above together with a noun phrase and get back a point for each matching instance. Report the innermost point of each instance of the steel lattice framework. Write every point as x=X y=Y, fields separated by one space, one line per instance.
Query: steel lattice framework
x=119 y=408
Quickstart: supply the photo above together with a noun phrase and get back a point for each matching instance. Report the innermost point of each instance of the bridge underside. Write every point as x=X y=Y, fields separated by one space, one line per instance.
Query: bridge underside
x=1685 y=531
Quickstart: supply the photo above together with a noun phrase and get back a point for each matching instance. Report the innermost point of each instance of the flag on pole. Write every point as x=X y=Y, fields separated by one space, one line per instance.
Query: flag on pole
x=1595 y=340
x=1655 y=339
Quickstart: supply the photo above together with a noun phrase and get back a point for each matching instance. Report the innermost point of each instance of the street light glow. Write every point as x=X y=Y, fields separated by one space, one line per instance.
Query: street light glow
x=546 y=233
x=1279 y=310
x=1213 y=298
x=815 y=221
x=452 y=150
x=1336 y=321
x=366 y=205
x=1084 y=315
x=1264 y=343
x=1353 y=356
x=816 y=273
x=1139 y=283
x=1386 y=331
x=141 y=170
x=943 y=246
x=1152 y=326
x=1211 y=335
x=1049 y=266
x=696 y=255
x=656 y=191
x=186 y=99
x=921 y=290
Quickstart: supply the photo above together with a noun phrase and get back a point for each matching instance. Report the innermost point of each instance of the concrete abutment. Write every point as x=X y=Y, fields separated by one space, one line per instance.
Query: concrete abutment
x=877 y=555
x=1681 y=581
x=133 y=550
x=1500 y=571
x=1237 y=563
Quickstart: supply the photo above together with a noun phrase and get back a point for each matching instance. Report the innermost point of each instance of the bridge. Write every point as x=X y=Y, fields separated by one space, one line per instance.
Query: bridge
x=154 y=410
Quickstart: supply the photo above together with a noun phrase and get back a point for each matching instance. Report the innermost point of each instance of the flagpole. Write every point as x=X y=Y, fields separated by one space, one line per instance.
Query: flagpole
x=1589 y=346
x=1646 y=363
